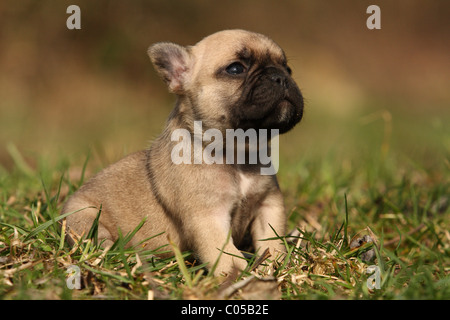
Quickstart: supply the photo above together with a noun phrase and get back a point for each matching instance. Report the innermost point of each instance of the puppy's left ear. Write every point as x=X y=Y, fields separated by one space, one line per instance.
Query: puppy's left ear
x=172 y=62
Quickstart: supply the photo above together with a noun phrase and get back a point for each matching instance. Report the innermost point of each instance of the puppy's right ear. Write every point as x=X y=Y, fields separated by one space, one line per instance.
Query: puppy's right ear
x=172 y=62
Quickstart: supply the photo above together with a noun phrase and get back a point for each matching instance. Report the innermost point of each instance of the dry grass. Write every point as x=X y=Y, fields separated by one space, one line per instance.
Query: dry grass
x=324 y=258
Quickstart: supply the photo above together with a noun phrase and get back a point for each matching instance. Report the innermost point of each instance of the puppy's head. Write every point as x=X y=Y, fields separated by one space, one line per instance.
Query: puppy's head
x=232 y=79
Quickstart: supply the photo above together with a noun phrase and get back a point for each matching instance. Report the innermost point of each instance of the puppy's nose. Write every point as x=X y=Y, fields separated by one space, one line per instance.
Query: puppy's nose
x=281 y=80
x=278 y=77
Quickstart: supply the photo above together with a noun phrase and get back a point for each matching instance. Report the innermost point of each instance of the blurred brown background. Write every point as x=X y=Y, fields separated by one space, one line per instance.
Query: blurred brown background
x=64 y=91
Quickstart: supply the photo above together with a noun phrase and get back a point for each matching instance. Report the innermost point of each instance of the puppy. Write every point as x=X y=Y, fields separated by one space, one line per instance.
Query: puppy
x=232 y=79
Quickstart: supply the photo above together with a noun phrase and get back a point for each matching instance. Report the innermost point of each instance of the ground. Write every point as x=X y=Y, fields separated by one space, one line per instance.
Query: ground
x=351 y=185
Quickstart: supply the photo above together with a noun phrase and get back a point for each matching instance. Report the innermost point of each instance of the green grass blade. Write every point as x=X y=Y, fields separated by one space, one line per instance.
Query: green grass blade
x=93 y=231
x=83 y=171
x=107 y=274
x=181 y=264
x=220 y=253
x=345 y=243
x=18 y=159
x=121 y=253
x=47 y=224
x=20 y=229
x=131 y=234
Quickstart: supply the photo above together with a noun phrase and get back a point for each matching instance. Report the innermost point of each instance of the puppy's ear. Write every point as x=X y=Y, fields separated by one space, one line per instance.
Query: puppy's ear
x=172 y=62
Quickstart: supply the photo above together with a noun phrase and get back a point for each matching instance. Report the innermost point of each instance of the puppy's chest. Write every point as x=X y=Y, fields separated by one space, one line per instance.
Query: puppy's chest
x=245 y=184
x=250 y=193
x=251 y=189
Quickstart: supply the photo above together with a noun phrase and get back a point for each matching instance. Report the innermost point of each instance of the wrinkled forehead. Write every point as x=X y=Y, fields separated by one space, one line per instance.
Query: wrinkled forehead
x=238 y=45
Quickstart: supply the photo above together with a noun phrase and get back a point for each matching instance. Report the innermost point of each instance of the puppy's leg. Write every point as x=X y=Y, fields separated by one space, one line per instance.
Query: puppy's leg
x=270 y=215
x=81 y=222
x=209 y=234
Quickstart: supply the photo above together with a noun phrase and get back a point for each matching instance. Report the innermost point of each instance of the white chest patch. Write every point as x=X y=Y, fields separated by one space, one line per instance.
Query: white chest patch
x=245 y=183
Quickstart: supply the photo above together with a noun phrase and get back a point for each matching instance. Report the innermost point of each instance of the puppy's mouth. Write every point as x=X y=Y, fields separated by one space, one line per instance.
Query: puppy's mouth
x=284 y=109
x=285 y=114
x=271 y=101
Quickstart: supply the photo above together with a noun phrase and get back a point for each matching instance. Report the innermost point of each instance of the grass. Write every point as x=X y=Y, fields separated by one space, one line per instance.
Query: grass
x=395 y=191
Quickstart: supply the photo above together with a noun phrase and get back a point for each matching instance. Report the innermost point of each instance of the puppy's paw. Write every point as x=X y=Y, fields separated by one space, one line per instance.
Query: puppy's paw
x=228 y=265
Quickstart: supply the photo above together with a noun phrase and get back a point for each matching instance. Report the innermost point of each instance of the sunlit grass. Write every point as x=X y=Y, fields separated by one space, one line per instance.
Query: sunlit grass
x=363 y=178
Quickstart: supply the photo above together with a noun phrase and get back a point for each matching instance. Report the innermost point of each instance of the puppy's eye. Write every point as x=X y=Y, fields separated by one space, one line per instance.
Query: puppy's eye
x=235 y=68
x=289 y=70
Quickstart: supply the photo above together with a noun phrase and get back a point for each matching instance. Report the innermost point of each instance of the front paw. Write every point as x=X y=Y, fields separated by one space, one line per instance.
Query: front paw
x=227 y=264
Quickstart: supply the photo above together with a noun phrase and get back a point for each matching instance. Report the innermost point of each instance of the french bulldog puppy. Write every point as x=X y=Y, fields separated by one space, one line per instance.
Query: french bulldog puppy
x=233 y=79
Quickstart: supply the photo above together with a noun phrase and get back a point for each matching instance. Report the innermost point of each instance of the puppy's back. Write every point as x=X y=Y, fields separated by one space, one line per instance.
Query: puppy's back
x=124 y=194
